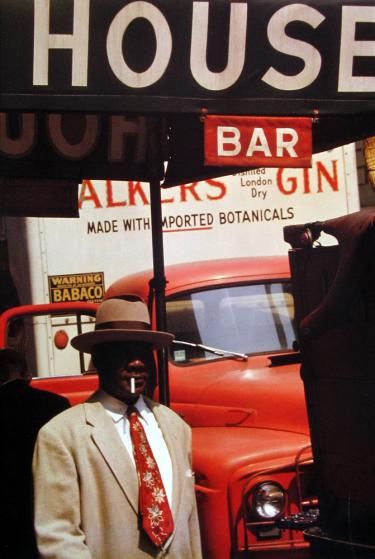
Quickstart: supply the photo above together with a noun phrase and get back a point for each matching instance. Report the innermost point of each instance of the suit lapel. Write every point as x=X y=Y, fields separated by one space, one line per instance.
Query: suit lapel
x=107 y=440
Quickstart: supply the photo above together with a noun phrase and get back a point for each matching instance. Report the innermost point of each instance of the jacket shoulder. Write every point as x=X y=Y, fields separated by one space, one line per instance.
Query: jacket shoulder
x=67 y=420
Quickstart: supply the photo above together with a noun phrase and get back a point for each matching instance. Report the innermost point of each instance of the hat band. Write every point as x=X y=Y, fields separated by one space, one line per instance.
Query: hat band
x=123 y=325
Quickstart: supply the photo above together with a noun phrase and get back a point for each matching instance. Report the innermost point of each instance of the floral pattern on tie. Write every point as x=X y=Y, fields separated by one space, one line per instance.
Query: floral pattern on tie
x=154 y=508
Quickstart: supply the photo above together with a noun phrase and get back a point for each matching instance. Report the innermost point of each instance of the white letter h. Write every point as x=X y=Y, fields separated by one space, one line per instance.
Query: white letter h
x=78 y=42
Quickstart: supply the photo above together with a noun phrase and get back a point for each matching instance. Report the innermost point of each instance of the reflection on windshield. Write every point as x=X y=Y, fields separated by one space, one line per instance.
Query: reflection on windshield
x=247 y=319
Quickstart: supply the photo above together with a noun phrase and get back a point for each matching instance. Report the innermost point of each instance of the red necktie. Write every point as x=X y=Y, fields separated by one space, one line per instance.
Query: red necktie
x=154 y=508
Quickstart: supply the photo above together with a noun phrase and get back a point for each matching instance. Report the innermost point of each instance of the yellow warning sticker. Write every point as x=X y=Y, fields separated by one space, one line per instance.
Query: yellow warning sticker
x=76 y=287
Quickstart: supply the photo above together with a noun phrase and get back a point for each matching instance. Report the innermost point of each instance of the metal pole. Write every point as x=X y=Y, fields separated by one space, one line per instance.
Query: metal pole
x=156 y=145
x=159 y=283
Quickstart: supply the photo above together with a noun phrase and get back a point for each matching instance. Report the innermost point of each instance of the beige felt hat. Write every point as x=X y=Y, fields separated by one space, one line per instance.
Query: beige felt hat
x=122 y=320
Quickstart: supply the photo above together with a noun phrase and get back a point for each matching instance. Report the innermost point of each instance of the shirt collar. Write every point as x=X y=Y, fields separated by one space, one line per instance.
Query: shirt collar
x=117 y=409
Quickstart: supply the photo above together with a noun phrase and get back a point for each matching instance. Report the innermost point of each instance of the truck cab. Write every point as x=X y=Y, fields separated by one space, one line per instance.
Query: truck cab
x=234 y=377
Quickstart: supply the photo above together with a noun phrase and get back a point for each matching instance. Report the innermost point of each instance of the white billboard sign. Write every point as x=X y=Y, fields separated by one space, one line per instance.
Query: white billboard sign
x=225 y=217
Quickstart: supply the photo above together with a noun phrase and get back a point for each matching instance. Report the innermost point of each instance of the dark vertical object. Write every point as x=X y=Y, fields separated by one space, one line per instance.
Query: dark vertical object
x=157 y=154
x=335 y=311
x=159 y=283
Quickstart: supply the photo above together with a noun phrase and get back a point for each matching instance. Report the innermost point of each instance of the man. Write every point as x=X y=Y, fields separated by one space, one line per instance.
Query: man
x=23 y=410
x=101 y=492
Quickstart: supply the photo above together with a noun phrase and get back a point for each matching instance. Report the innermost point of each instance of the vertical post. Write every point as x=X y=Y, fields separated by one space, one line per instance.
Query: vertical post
x=156 y=146
x=159 y=283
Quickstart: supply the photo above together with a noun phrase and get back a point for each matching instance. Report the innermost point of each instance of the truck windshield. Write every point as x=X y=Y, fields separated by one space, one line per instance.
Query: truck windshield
x=250 y=319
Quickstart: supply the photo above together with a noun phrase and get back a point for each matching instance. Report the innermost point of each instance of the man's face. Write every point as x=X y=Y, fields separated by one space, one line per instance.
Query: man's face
x=120 y=362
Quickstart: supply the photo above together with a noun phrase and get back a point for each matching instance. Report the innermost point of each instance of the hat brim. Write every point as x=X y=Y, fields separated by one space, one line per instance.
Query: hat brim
x=87 y=341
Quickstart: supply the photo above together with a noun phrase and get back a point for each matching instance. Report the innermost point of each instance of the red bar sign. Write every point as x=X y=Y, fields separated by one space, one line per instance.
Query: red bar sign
x=247 y=141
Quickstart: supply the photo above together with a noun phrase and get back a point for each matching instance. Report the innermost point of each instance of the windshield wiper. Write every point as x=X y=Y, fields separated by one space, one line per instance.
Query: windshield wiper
x=216 y=351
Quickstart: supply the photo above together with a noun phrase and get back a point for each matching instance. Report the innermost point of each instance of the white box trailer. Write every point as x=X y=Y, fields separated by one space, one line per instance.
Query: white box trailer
x=60 y=260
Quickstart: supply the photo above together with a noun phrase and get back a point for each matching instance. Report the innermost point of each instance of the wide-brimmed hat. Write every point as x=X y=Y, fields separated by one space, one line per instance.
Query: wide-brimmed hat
x=122 y=320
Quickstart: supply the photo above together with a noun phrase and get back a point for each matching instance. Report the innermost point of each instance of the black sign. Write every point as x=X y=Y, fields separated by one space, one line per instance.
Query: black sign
x=227 y=57
x=77 y=146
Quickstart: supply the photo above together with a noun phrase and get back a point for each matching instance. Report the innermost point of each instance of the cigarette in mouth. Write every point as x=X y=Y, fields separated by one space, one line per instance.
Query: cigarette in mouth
x=132 y=385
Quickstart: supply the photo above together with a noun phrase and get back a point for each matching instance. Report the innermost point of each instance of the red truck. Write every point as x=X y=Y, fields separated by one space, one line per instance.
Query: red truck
x=234 y=377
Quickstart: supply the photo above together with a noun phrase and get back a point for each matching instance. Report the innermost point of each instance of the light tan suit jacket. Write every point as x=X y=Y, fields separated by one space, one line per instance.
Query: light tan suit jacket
x=86 y=488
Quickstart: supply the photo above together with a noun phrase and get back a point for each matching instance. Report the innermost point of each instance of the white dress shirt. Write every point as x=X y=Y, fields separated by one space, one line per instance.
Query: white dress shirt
x=117 y=410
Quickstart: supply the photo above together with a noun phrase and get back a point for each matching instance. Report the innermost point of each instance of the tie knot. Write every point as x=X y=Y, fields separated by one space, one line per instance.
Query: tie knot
x=131 y=409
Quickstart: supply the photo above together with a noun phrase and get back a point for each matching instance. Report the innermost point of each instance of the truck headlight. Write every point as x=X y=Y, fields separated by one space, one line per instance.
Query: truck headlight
x=268 y=500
